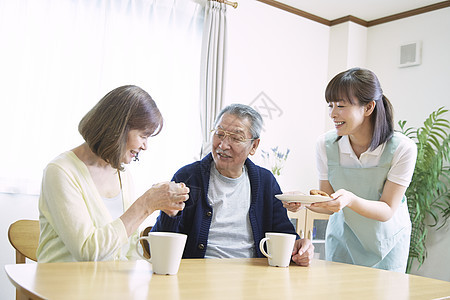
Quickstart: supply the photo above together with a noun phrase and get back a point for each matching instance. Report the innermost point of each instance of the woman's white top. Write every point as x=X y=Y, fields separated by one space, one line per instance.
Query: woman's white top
x=402 y=166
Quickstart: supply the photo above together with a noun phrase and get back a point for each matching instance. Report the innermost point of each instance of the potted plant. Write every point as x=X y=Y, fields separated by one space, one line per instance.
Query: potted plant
x=428 y=193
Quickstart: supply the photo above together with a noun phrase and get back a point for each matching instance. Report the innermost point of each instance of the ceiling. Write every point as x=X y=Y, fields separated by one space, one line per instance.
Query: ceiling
x=366 y=10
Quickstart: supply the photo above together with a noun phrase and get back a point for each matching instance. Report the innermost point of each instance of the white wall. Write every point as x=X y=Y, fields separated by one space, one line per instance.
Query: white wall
x=285 y=57
x=347 y=49
x=418 y=90
x=415 y=92
x=348 y=44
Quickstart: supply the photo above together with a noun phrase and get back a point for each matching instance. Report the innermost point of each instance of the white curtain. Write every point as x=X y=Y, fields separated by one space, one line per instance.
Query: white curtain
x=59 y=57
x=213 y=69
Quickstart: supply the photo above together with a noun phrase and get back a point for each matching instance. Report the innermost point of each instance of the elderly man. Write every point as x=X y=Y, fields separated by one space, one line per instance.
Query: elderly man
x=232 y=201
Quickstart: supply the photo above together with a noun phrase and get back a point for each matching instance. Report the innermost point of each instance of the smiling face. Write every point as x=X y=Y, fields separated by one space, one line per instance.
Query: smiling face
x=230 y=155
x=351 y=119
x=136 y=141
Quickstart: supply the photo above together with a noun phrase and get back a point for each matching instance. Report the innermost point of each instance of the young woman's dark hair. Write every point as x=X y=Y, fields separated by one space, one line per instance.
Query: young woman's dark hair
x=105 y=127
x=361 y=86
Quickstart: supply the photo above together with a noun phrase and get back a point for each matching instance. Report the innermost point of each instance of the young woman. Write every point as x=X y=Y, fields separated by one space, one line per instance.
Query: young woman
x=366 y=167
x=87 y=210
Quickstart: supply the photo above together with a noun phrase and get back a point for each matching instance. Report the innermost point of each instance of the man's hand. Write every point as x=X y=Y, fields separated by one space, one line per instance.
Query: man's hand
x=303 y=252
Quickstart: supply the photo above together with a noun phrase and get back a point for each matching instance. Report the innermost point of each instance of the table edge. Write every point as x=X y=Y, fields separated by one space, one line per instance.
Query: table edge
x=20 y=288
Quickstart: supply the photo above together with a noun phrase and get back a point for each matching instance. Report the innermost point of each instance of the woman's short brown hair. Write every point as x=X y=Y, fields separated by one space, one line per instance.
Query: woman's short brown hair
x=105 y=127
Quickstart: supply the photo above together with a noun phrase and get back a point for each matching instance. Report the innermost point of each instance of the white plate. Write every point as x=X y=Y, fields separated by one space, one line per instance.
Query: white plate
x=306 y=199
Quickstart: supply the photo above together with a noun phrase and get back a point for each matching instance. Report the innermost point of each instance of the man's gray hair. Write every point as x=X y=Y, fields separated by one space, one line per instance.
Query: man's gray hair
x=243 y=111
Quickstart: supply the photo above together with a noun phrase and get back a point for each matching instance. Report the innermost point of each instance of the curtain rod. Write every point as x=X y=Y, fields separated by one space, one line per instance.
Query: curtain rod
x=234 y=4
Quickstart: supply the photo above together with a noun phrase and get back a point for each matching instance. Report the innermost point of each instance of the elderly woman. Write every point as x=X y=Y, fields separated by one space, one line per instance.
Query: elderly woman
x=232 y=201
x=87 y=211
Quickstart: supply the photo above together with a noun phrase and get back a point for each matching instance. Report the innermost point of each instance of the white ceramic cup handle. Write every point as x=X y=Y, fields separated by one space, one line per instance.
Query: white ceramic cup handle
x=137 y=245
x=261 y=247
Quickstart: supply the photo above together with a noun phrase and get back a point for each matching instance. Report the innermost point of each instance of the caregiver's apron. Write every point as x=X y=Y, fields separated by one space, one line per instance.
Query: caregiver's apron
x=352 y=238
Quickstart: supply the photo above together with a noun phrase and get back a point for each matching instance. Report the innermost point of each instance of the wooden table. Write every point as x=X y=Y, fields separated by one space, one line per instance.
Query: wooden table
x=219 y=279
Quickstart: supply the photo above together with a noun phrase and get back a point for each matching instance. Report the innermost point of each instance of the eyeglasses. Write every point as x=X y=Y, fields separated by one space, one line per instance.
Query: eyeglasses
x=235 y=138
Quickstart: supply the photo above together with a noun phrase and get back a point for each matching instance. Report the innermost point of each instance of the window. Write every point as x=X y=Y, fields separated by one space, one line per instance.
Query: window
x=59 y=57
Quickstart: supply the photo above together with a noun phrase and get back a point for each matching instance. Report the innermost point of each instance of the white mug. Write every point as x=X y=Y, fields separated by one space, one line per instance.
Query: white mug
x=279 y=248
x=166 y=250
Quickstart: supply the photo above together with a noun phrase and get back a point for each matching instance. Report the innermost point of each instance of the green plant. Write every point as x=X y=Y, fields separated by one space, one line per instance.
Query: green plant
x=275 y=159
x=428 y=193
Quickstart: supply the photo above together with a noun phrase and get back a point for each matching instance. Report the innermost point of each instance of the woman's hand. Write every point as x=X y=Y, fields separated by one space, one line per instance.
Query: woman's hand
x=341 y=199
x=166 y=196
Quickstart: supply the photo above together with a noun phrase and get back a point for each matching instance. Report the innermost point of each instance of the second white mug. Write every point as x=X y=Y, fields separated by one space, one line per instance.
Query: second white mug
x=279 y=248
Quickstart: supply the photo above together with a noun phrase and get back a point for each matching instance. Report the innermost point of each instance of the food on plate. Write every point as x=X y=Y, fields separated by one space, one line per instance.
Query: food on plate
x=319 y=192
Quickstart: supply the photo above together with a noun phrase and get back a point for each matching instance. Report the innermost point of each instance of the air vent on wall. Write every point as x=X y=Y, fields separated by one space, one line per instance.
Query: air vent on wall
x=410 y=54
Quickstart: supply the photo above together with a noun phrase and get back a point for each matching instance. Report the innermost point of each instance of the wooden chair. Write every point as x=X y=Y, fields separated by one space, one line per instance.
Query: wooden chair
x=298 y=219
x=145 y=245
x=24 y=237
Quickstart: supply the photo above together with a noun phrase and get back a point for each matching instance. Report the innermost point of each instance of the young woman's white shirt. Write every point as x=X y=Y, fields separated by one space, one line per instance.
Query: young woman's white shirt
x=402 y=165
